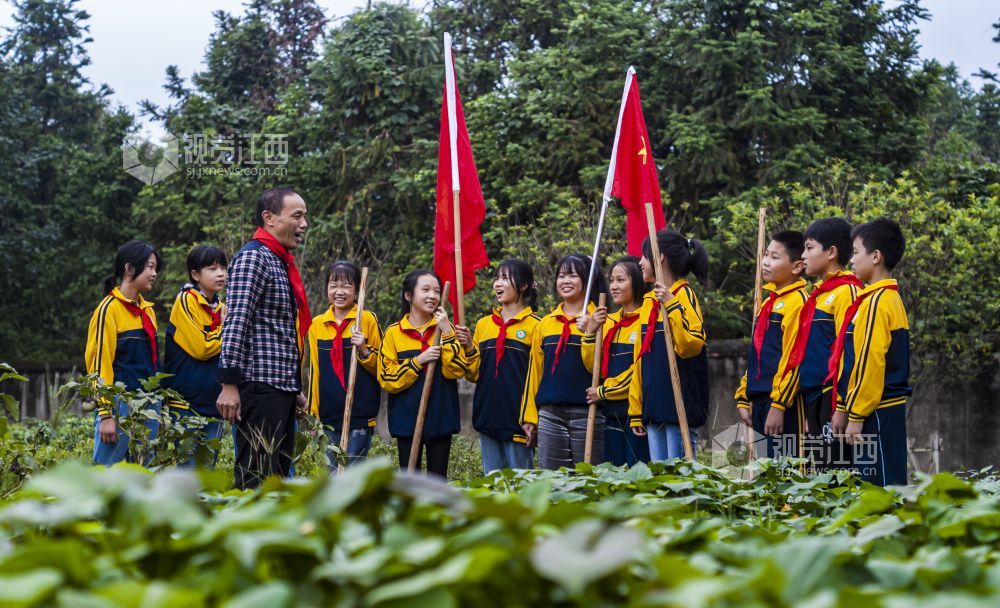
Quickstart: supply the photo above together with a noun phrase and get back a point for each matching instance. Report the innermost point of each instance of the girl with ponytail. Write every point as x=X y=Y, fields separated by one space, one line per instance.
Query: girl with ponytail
x=121 y=343
x=652 y=411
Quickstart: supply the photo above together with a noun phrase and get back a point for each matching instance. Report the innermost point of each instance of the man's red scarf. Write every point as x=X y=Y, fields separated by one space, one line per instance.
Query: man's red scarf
x=294 y=279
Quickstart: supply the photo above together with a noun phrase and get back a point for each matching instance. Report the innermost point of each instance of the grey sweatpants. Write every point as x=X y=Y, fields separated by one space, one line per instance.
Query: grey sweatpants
x=562 y=435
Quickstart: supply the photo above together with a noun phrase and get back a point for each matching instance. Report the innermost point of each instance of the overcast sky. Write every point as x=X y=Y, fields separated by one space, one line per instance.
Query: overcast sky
x=135 y=40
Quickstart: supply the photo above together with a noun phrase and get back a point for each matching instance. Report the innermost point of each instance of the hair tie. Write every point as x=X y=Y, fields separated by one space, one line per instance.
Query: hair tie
x=534 y=285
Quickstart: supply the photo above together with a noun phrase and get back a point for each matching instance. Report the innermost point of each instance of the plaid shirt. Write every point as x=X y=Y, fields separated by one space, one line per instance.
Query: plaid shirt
x=259 y=338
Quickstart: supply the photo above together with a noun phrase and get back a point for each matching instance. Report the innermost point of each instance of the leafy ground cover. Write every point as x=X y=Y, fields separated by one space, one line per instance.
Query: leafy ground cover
x=664 y=534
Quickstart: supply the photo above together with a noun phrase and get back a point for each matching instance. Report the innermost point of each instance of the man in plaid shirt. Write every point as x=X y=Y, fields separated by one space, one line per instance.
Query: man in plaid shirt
x=259 y=366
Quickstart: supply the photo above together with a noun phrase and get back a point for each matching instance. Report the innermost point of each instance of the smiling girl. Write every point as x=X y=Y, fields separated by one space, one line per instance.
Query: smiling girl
x=554 y=404
x=332 y=336
x=121 y=343
x=620 y=333
x=406 y=350
x=498 y=363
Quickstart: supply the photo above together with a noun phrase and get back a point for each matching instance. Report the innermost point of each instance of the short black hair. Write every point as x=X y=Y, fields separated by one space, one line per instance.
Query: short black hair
x=343 y=270
x=203 y=256
x=409 y=284
x=272 y=200
x=522 y=277
x=580 y=264
x=793 y=242
x=630 y=264
x=882 y=234
x=832 y=232
x=136 y=254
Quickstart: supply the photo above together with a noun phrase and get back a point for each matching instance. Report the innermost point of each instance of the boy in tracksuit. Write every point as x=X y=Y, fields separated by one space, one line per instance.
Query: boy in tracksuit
x=767 y=398
x=873 y=353
x=827 y=251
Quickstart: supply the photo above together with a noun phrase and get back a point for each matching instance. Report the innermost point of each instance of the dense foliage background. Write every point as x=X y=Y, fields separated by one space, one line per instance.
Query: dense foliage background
x=808 y=108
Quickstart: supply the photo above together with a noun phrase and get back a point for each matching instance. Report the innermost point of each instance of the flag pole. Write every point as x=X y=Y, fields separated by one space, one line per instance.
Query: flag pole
x=456 y=213
x=608 y=183
x=425 y=394
x=352 y=377
x=758 y=284
x=675 y=376
x=595 y=381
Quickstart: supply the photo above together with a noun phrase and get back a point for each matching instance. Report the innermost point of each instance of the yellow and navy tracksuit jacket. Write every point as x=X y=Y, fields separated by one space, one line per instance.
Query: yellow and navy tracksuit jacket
x=552 y=382
x=826 y=323
x=876 y=362
x=191 y=354
x=118 y=348
x=500 y=386
x=765 y=379
x=620 y=355
x=651 y=393
x=402 y=377
x=328 y=390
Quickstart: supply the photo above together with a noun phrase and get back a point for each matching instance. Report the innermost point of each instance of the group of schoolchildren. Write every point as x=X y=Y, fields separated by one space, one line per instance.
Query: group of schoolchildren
x=828 y=364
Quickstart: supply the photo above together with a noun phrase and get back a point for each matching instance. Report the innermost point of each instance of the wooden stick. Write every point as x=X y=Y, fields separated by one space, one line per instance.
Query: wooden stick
x=675 y=376
x=459 y=278
x=425 y=394
x=595 y=381
x=758 y=284
x=352 y=377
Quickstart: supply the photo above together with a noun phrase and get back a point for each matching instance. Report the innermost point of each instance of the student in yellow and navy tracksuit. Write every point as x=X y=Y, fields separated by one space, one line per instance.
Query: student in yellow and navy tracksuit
x=827 y=251
x=406 y=350
x=554 y=405
x=620 y=335
x=332 y=338
x=121 y=344
x=498 y=354
x=767 y=398
x=652 y=410
x=191 y=354
x=875 y=343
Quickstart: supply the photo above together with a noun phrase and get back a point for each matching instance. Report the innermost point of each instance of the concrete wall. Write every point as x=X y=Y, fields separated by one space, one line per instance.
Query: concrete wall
x=962 y=420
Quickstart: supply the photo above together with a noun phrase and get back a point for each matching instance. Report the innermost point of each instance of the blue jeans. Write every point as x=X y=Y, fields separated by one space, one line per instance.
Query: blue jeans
x=621 y=445
x=206 y=434
x=108 y=454
x=665 y=441
x=498 y=455
x=358 y=444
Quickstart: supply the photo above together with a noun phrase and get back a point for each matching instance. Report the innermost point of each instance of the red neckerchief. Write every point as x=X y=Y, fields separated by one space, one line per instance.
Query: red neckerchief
x=147 y=322
x=760 y=328
x=563 y=337
x=502 y=337
x=294 y=279
x=833 y=366
x=609 y=338
x=423 y=338
x=337 y=348
x=654 y=317
x=211 y=310
x=808 y=313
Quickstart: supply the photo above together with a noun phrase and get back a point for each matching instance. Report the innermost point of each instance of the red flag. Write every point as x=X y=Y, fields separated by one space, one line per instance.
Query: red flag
x=633 y=169
x=457 y=171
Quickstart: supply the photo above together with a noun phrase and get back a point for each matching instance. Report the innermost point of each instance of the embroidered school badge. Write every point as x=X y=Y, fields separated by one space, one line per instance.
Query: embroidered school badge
x=829 y=299
x=779 y=305
x=631 y=338
x=521 y=334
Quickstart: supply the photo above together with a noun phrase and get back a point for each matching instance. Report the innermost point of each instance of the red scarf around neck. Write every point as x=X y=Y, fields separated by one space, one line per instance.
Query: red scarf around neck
x=337 y=348
x=147 y=322
x=833 y=366
x=654 y=317
x=798 y=353
x=567 y=325
x=294 y=279
x=609 y=339
x=502 y=337
x=211 y=310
